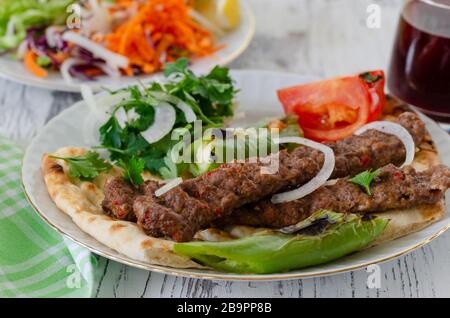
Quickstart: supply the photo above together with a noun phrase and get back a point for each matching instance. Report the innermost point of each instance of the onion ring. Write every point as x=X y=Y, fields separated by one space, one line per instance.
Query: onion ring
x=316 y=182
x=168 y=186
x=397 y=130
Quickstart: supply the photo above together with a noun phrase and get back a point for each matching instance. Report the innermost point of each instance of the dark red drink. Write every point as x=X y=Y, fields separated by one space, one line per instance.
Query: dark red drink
x=420 y=67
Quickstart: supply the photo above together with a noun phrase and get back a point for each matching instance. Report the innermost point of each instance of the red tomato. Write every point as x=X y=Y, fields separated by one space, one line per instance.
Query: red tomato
x=334 y=109
x=376 y=89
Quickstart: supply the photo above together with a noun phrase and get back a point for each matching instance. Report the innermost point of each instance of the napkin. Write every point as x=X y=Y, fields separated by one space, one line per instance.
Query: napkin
x=35 y=260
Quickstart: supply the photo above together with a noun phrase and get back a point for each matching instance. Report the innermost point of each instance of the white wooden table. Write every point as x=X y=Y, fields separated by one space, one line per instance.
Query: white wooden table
x=315 y=37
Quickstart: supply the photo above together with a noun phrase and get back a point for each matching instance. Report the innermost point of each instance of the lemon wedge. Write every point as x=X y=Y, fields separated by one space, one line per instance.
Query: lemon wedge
x=223 y=13
x=228 y=12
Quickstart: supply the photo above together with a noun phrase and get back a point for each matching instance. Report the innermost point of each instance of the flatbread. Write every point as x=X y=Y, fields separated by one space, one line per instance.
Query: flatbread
x=407 y=221
x=82 y=202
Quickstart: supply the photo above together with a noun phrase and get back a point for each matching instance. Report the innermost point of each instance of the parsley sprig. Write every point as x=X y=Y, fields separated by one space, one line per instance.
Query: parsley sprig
x=365 y=179
x=86 y=167
x=210 y=97
x=133 y=170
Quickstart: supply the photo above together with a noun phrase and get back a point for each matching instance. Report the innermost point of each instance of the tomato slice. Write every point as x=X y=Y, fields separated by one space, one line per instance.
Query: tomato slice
x=334 y=109
x=375 y=82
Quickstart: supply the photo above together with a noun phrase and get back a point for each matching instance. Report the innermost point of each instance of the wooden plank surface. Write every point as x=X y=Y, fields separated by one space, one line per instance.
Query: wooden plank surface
x=311 y=37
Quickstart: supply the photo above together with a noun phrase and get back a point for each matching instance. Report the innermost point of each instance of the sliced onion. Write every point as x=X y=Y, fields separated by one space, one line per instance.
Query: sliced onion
x=316 y=182
x=109 y=101
x=99 y=107
x=121 y=116
x=331 y=182
x=108 y=70
x=113 y=59
x=181 y=105
x=52 y=35
x=132 y=115
x=168 y=186
x=22 y=49
x=397 y=130
x=105 y=104
x=95 y=117
x=65 y=68
x=88 y=97
x=91 y=134
x=165 y=117
x=10 y=27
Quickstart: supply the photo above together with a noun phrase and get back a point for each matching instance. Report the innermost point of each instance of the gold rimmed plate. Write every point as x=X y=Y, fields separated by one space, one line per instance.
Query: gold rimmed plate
x=257 y=99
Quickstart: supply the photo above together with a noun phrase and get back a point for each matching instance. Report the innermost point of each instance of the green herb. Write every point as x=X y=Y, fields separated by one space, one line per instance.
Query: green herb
x=210 y=97
x=179 y=66
x=110 y=134
x=133 y=169
x=365 y=178
x=369 y=78
x=43 y=61
x=86 y=167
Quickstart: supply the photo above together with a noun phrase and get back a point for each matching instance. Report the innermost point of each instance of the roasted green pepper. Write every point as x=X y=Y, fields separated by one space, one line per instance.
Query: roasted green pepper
x=323 y=237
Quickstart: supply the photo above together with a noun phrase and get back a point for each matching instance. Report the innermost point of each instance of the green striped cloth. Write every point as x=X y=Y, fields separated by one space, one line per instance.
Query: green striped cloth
x=35 y=260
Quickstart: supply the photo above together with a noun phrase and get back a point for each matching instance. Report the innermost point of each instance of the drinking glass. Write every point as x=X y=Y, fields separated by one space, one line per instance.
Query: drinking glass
x=419 y=73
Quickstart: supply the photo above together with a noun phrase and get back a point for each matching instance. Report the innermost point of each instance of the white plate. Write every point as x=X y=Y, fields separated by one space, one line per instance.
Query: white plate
x=258 y=99
x=234 y=43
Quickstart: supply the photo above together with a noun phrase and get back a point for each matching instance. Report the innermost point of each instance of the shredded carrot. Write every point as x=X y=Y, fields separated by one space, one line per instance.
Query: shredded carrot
x=97 y=37
x=160 y=31
x=59 y=56
x=30 y=63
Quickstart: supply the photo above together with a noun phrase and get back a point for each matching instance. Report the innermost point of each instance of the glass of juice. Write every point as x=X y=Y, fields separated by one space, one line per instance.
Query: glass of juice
x=419 y=73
